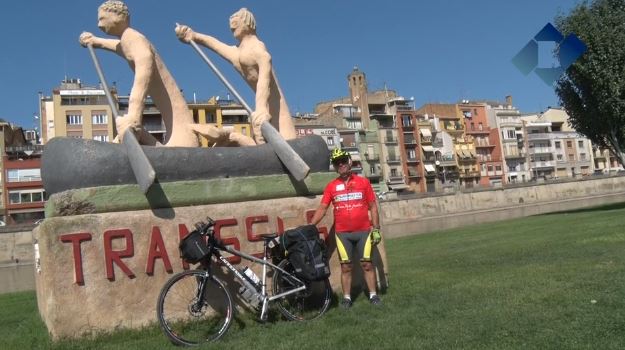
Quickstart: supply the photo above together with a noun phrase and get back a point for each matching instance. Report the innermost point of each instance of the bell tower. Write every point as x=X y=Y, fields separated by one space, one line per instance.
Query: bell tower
x=357 y=82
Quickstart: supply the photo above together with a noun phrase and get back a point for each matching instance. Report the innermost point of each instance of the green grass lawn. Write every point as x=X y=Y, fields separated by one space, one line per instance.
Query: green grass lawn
x=546 y=282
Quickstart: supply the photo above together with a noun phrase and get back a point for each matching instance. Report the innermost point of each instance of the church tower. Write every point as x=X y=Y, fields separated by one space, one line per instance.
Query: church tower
x=357 y=82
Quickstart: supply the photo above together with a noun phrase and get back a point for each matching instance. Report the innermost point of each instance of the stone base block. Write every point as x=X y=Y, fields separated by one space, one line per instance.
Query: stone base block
x=104 y=271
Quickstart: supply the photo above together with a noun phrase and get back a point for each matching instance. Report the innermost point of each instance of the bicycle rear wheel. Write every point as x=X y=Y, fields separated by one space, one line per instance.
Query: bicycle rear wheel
x=305 y=305
x=189 y=317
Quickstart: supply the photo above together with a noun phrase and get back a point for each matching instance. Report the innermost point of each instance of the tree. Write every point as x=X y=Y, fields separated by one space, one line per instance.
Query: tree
x=592 y=90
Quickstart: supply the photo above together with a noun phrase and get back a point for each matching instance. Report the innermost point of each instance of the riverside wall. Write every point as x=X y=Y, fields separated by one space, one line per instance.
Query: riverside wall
x=440 y=212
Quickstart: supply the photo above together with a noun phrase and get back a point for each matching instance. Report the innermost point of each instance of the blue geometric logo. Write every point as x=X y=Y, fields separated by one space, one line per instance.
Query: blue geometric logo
x=569 y=50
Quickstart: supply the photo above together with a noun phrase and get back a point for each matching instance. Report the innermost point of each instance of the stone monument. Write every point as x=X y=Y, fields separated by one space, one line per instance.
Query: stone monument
x=106 y=248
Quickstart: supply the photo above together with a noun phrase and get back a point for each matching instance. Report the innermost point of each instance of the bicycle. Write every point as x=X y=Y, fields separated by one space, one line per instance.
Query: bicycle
x=194 y=306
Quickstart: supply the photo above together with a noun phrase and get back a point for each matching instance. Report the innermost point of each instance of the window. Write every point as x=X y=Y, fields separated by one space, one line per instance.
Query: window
x=354 y=124
x=498 y=167
x=582 y=156
x=393 y=172
x=102 y=138
x=74 y=119
x=24 y=175
x=405 y=121
x=98 y=119
x=558 y=145
x=330 y=140
x=559 y=157
x=511 y=134
x=580 y=143
x=569 y=144
x=26 y=196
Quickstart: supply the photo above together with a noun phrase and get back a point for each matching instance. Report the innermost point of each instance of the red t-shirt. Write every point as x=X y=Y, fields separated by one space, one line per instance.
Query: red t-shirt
x=351 y=203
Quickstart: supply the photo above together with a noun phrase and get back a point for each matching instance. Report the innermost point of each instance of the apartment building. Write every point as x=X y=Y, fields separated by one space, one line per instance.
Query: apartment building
x=447 y=141
x=76 y=110
x=409 y=139
x=507 y=119
x=23 y=195
x=79 y=110
x=572 y=152
x=485 y=137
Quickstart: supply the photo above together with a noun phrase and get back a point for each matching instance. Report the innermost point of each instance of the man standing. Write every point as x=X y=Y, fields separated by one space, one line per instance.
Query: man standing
x=252 y=60
x=352 y=198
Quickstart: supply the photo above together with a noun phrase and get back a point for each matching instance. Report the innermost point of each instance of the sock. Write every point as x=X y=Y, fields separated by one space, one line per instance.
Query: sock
x=347 y=296
x=372 y=294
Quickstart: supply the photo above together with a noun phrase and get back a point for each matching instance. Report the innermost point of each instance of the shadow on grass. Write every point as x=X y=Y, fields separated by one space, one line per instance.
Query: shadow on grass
x=613 y=206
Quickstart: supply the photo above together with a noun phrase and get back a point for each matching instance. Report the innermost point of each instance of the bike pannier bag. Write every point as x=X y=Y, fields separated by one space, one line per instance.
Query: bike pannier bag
x=306 y=252
x=193 y=247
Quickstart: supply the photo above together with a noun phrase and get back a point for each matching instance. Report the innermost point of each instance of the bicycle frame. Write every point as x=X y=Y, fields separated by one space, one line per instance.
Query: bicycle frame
x=216 y=249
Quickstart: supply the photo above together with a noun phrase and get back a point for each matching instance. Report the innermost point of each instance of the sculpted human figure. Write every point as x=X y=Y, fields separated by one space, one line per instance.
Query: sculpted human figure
x=151 y=78
x=252 y=60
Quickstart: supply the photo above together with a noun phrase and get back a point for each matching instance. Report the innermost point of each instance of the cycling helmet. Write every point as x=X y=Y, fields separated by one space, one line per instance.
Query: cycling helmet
x=338 y=154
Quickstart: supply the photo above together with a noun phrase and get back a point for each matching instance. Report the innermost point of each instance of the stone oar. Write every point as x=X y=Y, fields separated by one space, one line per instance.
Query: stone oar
x=293 y=162
x=139 y=162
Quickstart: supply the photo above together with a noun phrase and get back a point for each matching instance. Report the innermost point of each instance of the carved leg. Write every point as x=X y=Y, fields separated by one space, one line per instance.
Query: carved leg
x=240 y=139
x=221 y=137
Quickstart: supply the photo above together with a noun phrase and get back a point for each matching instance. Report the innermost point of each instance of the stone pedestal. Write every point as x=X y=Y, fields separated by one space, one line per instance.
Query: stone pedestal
x=102 y=271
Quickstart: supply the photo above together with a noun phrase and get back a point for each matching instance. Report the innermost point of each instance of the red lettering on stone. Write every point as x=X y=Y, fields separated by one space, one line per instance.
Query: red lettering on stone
x=322 y=229
x=157 y=251
x=280 y=225
x=115 y=256
x=75 y=239
x=249 y=222
x=231 y=241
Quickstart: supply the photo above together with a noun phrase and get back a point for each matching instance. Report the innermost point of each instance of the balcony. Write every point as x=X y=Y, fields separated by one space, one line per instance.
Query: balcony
x=410 y=141
x=374 y=176
x=372 y=157
x=396 y=178
x=543 y=164
x=407 y=126
x=469 y=173
x=448 y=161
x=539 y=136
x=412 y=160
x=479 y=130
x=413 y=173
x=393 y=159
x=369 y=138
x=503 y=122
x=483 y=144
x=599 y=155
x=390 y=139
x=426 y=139
x=348 y=116
x=154 y=127
x=541 y=150
x=514 y=155
x=25 y=148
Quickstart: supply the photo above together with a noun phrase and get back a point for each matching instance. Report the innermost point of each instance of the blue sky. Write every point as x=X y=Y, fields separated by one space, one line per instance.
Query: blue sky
x=434 y=51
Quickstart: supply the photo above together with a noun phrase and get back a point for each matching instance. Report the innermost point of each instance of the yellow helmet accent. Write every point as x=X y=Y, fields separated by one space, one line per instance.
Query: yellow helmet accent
x=338 y=154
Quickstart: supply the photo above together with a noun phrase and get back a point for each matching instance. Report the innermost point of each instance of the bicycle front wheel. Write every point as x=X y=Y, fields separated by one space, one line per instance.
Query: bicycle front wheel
x=189 y=317
x=304 y=305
